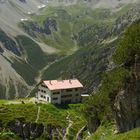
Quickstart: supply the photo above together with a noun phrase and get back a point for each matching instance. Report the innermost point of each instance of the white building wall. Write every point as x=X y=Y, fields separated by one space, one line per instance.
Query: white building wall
x=59 y=96
x=44 y=94
x=72 y=96
x=56 y=97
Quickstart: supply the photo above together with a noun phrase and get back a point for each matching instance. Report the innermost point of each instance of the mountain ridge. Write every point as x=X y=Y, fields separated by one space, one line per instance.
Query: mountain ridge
x=72 y=35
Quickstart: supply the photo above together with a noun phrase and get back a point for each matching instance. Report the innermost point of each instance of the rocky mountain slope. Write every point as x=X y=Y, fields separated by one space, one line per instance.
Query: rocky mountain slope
x=58 y=33
x=15 y=67
x=119 y=90
x=52 y=40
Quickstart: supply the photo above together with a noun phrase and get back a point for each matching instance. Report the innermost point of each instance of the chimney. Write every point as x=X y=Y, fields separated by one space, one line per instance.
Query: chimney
x=50 y=82
x=70 y=81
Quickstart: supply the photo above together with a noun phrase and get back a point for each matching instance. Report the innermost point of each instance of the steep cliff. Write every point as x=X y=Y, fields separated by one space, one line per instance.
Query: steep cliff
x=118 y=98
x=127 y=100
x=126 y=105
x=39 y=121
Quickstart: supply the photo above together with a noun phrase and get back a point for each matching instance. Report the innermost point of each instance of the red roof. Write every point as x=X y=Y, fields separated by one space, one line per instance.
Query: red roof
x=63 y=84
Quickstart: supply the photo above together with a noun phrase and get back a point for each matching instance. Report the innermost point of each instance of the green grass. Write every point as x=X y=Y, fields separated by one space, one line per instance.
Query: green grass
x=130 y=135
x=106 y=132
x=87 y=64
x=36 y=57
x=123 y=10
x=78 y=121
x=78 y=26
x=71 y=21
x=56 y=116
x=8 y=135
x=49 y=114
x=26 y=71
x=100 y=105
x=3 y=101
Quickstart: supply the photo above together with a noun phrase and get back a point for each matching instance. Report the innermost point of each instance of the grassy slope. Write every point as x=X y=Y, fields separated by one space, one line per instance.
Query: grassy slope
x=85 y=28
x=36 y=56
x=90 y=60
x=49 y=114
x=36 y=59
x=71 y=21
x=82 y=63
x=106 y=132
x=113 y=82
x=87 y=64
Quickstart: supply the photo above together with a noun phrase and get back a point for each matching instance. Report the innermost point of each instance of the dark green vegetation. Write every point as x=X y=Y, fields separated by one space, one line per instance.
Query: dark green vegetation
x=101 y=106
x=129 y=46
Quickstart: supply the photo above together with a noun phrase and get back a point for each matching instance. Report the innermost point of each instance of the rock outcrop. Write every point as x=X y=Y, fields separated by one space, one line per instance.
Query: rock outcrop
x=9 y=44
x=32 y=28
x=93 y=124
x=26 y=130
x=30 y=130
x=127 y=102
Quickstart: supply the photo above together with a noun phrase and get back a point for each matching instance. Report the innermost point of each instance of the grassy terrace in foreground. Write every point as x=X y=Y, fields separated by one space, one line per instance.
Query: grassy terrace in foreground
x=49 y=114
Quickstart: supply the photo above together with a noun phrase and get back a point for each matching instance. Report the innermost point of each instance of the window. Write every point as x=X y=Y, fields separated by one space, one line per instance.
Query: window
x=66 y=96
x=68 y=90
x=44 y=86
x=48 y=99
x=76 y=89
x=67 y=101
x=43 y=91
x=77 y=95
x=56 y=93
x=42 y=96
x=55 y=98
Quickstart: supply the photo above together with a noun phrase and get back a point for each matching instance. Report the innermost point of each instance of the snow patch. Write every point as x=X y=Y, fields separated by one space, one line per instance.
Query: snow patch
x=41 y=6
x=24 y=19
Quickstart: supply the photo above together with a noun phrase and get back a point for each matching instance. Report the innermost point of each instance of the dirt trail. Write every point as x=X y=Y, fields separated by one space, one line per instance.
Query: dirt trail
x=69 y=126
x=38 y=113
x=80 y=132
x=41 y=72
